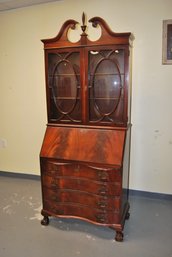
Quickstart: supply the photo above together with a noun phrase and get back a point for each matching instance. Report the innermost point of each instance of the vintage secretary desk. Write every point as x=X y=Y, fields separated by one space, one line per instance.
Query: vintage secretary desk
x=85 y=152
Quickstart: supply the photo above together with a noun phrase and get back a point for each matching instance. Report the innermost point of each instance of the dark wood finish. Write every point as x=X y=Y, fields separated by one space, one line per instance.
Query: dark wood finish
x=84 y=157
x=105 y=146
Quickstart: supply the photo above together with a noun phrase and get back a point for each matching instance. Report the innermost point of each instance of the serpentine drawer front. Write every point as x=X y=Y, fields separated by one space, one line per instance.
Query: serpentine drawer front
x=82 y=184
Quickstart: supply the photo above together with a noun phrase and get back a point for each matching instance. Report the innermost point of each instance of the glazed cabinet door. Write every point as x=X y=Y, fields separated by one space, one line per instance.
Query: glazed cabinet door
x=107 y=85
x=63 y=86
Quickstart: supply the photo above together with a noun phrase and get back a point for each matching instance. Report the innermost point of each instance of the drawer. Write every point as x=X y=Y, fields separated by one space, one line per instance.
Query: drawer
x=83 y=198
x=97 y=173
x=83 y=212
x=86 y=185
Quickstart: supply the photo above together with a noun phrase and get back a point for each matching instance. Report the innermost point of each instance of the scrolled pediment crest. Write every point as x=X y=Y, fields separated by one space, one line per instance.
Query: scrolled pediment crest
x=107 y=35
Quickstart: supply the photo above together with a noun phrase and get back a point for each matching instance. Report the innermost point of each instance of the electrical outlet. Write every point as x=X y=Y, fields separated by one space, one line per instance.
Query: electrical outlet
x=3 y=143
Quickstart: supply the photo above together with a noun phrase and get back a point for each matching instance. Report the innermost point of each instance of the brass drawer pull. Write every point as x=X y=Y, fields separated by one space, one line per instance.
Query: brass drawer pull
x=102 y=205
x=54 y=184
x=51 y=172
x=103 y=191
x=102 y=176
x=77 y=168
x=55 y=198
x=100 y=218
x=53 y=167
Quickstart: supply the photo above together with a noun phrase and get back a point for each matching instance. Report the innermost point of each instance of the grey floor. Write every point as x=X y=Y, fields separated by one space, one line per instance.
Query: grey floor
x=148 y=232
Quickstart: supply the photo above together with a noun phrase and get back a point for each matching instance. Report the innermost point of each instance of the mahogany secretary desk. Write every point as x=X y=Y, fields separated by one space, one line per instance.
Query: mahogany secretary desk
x=84 y=157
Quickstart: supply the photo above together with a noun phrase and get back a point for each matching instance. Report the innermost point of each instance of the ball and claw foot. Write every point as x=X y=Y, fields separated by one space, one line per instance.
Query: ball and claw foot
x=119 y=236
x=45 y=221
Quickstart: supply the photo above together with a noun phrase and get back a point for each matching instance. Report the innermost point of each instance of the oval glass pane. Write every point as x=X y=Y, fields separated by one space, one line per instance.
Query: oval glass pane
x=107 y=86
x=64 y=87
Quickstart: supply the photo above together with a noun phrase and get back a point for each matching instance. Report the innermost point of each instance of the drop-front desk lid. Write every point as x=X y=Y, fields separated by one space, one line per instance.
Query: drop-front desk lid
x=99 y=146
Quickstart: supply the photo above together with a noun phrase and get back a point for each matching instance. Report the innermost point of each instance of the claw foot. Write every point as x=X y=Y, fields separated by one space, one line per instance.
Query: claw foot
x=119 y=236
x=45 y=221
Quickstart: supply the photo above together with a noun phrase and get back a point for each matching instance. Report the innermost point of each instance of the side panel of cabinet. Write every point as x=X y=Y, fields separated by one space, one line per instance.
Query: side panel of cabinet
x=126 y=167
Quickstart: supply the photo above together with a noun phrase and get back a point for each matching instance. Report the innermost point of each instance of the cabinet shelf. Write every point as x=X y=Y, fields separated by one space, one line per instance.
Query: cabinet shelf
x=91 y=74
x=64 y=75
x=66 y=98
x=91 y=98
x=107 y=74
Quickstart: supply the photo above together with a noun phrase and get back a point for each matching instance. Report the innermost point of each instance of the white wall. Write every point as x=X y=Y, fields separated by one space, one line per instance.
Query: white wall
x=22 y=84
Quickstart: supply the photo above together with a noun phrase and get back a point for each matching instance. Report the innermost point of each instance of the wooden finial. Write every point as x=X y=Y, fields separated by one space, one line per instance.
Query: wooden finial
x=83 y=26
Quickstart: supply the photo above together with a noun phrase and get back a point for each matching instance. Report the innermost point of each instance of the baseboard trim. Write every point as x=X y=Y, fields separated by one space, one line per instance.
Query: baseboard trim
x=153 y=195
x=132 y=192
x=19 y=175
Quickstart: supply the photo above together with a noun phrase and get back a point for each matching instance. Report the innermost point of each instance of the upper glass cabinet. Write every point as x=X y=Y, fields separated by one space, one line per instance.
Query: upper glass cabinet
x=87 y=82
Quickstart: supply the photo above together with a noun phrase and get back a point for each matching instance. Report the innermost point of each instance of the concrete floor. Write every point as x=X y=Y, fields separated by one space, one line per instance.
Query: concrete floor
x=148 y=232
